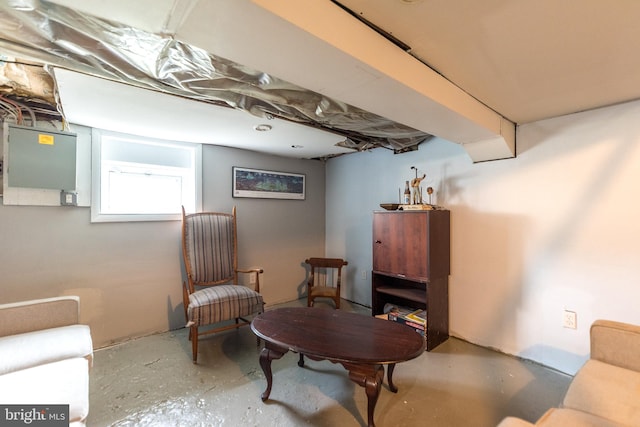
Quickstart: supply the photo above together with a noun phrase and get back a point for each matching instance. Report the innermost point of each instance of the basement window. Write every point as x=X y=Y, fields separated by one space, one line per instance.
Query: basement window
x=143 y=179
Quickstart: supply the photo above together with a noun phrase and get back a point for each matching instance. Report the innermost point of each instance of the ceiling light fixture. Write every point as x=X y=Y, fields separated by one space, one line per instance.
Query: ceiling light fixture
x=263 y=127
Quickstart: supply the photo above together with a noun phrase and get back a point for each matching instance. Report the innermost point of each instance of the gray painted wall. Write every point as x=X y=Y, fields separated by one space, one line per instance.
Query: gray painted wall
x=128 y=275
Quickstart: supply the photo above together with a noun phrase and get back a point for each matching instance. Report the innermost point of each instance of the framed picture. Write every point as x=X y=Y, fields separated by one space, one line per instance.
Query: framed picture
x=264 y=184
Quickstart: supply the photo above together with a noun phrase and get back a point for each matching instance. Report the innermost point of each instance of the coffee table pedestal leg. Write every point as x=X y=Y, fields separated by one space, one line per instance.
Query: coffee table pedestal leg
x=390 y=369
x=267 y=354
x=370 y=377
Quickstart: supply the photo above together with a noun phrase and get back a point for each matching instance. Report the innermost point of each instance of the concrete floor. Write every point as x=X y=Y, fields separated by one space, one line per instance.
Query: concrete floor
x=151 y=381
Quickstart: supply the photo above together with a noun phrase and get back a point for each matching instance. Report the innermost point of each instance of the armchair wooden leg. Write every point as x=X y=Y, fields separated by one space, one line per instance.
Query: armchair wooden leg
x=193 y=332
x=185 y=300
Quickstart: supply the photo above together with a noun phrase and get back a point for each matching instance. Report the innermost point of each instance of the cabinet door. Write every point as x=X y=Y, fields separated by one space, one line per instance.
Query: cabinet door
x=399 y=243
x=384 y=226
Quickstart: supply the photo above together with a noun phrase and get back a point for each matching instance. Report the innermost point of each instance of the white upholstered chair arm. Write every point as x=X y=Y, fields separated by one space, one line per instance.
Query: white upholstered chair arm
x=24 y=351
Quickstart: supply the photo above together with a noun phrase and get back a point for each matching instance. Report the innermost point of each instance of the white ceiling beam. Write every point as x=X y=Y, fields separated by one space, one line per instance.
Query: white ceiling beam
x=318 y=46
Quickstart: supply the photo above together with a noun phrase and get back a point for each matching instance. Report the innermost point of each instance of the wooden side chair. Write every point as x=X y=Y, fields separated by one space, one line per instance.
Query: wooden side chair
x=325 y=279
x=211 y=292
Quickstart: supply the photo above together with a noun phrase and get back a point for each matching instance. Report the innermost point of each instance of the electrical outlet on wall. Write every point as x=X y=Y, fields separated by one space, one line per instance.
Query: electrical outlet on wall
x=570 y=319
x=68 y=198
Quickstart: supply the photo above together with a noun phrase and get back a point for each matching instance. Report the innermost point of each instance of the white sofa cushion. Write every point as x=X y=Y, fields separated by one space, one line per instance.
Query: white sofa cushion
x=30 y=349
x=60 y=383
x=606 y=391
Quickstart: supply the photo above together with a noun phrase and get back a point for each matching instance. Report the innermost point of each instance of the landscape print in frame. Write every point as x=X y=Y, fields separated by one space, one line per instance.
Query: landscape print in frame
x=257 y=183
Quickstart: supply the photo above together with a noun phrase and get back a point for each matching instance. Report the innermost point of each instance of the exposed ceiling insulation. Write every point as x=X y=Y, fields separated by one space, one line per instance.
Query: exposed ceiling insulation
x=27 y=81
x=63 y=37
x=26 y=87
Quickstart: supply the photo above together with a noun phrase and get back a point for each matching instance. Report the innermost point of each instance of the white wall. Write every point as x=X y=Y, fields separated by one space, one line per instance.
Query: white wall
x=556 y=228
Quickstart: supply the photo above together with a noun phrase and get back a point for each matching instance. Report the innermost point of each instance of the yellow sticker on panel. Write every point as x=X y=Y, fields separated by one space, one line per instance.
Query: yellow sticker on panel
x=45 y=139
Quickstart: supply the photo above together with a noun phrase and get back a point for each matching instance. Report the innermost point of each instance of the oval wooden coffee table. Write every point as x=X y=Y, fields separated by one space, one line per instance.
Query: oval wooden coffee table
x=360 y=343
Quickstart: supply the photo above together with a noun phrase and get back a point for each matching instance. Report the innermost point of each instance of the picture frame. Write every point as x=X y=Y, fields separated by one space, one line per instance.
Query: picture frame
x=265 y=184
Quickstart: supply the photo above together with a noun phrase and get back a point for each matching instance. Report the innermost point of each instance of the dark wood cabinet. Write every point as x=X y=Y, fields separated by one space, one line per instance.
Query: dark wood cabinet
x=411 y=266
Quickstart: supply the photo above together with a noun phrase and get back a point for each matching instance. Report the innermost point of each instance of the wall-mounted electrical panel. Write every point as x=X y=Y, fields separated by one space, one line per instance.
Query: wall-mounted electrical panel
x=39 y=158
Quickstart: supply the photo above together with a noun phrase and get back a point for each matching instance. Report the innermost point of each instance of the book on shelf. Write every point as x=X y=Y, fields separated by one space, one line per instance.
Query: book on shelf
x=418 y=316
x=415 y=319
x=398 y=309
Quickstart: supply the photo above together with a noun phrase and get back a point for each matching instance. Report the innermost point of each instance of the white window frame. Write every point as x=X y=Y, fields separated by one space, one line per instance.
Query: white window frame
x=97 y=214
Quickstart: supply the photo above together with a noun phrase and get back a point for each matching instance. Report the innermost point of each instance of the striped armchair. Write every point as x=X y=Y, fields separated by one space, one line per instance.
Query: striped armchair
x=211 y=291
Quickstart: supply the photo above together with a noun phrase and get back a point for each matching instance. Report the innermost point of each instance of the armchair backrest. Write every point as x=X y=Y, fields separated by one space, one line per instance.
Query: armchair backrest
x=209 y=248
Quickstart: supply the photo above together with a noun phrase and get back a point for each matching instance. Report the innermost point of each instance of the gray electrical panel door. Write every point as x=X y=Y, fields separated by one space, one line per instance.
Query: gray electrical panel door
x=40 y=158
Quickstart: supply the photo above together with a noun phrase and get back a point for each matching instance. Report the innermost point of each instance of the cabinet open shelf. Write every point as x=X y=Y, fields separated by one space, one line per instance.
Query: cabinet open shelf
x=409 y=294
